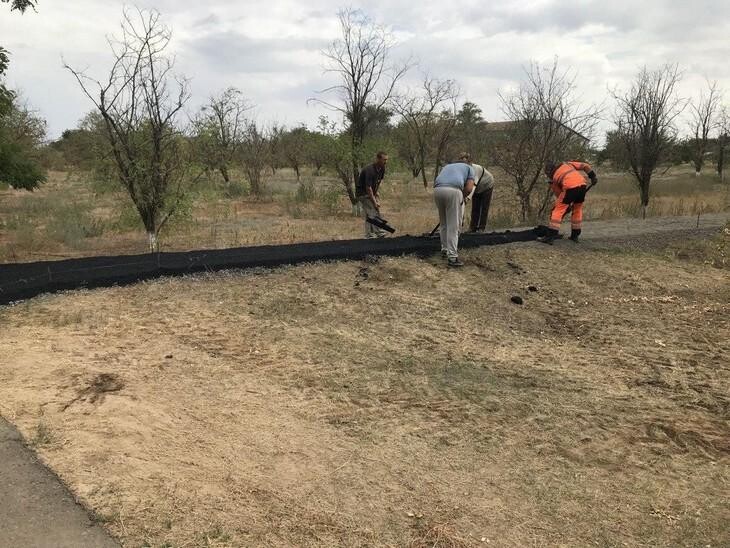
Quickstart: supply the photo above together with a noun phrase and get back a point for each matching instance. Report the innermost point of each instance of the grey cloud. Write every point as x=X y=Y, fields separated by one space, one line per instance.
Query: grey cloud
x=280 y=73
x=649 y=17
x=210 y=20
x=234 y=52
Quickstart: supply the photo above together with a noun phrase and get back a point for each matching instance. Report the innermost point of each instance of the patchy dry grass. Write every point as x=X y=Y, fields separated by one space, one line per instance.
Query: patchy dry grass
x=390 y=404
x=74 y=215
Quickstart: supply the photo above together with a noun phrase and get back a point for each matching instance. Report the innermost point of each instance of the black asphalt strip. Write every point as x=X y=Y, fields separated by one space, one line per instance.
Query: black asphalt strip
x=26 y=280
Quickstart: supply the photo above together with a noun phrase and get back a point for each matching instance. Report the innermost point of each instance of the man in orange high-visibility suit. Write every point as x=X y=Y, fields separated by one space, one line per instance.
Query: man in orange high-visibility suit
x=568 y=183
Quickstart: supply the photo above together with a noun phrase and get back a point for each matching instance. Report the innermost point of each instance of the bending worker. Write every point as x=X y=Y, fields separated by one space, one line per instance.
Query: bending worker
x=568 y=183
x=366 y=191
x=451 y=187
x=481 y=196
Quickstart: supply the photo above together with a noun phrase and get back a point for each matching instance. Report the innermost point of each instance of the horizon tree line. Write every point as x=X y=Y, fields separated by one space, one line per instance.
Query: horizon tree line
x=140 y=130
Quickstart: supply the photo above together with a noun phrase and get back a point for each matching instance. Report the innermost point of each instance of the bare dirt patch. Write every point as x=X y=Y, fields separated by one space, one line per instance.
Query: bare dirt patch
x=391 y=403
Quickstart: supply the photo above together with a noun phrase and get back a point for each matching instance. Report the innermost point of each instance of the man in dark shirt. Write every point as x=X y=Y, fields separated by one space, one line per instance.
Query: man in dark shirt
x=367 y=193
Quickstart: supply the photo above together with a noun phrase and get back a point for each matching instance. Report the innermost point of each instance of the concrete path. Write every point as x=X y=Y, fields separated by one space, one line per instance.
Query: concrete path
x=36 y=510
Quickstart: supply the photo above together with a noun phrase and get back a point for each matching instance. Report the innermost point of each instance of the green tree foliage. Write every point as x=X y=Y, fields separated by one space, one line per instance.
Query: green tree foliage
x=219 y=129
x=20 y=5
x=293 y=148
x=21 y=134
x=6 y=95
x=254 y=153
x=20 y=130
x=471 y=132
x=85 y=148
x=614 y=152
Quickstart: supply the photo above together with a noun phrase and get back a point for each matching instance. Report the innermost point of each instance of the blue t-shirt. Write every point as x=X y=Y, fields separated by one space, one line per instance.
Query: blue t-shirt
x=454 y=175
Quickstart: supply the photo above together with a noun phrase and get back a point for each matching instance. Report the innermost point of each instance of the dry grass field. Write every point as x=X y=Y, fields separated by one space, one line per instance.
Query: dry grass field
x=74 y=215
x=392 y=403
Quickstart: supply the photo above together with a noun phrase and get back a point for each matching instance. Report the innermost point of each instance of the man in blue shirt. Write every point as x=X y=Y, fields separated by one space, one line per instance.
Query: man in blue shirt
x=452 y=186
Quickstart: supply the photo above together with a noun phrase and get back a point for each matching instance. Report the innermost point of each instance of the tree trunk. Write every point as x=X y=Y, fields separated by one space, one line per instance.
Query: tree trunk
x=437 y=167
x=698 y=165
x=152 y=242
x=525 y=208
x=721 y=162
x=224 y=174
x=351 y=194
x=644 y=198
x=253 y=179
x=296 y=170
x=343 y=172
x=544 y=203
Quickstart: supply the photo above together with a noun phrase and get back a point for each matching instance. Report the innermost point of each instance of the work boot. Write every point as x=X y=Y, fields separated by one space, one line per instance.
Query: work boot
x=574 y=234
x=454 y=262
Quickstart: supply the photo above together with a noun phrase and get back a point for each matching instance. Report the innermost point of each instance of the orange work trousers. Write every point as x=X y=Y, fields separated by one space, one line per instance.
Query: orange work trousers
x=571 y=197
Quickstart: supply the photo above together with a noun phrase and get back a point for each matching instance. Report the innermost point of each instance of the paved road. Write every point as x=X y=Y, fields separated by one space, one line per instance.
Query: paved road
x=653 y=225
x=36 y=509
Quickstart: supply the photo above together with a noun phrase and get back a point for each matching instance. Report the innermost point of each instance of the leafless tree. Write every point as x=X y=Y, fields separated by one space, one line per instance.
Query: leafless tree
x=140 y=103
x=428 y=127
x=254 y=155
x=218 y=130
x=360 y=59
x=645 y=118
x=704 y=121
x=545 y=122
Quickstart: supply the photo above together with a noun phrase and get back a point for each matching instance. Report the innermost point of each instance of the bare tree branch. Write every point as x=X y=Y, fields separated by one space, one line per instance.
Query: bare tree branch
x=645 y=118
x=430 y=116
x=360 y=60
x=545 y=122
x=140 y=103
x=218 y=131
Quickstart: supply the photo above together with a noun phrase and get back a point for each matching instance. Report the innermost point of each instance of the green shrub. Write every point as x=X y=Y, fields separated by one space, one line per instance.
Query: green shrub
x=331 y=199
x=306 y=192
x=235 y=190
x=71 y=224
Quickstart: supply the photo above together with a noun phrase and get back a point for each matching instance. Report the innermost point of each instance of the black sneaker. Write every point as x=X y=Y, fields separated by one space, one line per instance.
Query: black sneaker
x=575 y=234
x=455 y=263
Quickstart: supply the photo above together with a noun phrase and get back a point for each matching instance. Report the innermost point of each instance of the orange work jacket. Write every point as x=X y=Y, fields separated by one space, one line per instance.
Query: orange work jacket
x=569 y=175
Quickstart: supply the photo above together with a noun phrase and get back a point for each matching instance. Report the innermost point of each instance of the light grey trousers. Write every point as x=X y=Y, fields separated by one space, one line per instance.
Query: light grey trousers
x=369 y=210
x=449 y=202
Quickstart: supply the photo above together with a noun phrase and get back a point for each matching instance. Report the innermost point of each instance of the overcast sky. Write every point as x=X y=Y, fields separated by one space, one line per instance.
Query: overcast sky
x=271 y=49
